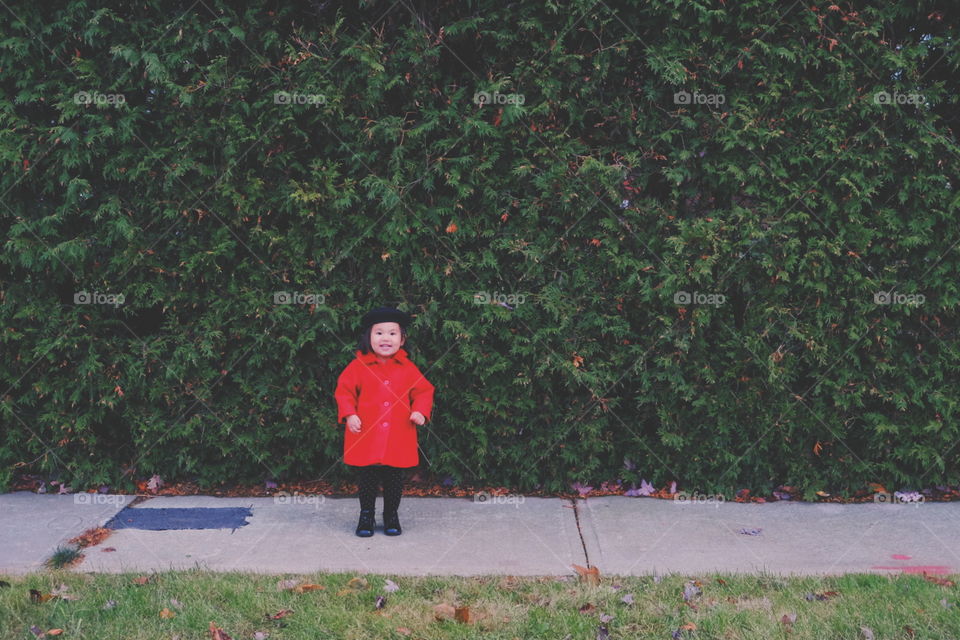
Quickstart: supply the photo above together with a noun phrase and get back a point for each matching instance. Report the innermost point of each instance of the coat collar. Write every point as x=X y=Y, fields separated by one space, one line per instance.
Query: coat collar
x=371 y=358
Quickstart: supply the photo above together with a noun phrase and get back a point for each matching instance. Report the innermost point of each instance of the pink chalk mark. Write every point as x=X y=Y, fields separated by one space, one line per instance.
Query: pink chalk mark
x=900 y=556
x=918 y=568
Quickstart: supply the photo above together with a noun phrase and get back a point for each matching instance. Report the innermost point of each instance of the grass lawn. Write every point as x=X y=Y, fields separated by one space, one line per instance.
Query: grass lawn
x=183 y=604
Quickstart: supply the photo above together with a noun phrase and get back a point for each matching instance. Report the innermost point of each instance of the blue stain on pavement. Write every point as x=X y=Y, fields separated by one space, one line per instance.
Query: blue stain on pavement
x=182 y=518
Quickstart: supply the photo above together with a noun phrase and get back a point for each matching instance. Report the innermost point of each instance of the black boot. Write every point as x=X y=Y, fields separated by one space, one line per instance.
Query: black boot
x=391 y=524
x=366 y=524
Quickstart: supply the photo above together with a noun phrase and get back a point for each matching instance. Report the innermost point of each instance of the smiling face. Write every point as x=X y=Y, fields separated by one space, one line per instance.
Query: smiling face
x=386 y=339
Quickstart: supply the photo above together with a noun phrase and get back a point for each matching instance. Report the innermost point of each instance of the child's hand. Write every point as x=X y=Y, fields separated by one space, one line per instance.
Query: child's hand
x=353 y=423
x=417 y=418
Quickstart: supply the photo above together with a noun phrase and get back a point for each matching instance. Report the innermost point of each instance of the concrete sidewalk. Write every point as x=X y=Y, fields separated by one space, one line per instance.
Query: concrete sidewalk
x=513 y=535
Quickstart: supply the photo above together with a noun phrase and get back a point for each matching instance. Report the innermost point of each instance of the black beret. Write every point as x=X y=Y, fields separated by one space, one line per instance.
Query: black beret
x=384 y=314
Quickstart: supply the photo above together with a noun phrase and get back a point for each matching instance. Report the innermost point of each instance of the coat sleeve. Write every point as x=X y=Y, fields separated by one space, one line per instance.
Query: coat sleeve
x=421 y=394
x=347 y=392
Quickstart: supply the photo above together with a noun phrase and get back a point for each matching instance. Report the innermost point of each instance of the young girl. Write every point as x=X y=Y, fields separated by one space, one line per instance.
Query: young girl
x=383 y=397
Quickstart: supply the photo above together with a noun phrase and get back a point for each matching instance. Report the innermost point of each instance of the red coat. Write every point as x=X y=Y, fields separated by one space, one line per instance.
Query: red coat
x=383 y=394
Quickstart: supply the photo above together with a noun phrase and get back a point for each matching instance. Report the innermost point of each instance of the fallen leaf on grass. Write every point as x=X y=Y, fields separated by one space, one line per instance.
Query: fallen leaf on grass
x=216 y=633
x=866 y=633
x=690 y=626
x=603 y=633
x=787 y=621
x=943 y=582
x=54 y=632
x=381 y=602
x=826 y=595
x=463 y=615
x=355 y=585
x=589 y=575
x=391 y=586
x=141 y=580
x=404 y=631
x=279 y=614
x=260 y=635
x=36 y=597
x=167 y=614
x=588 y=608
x=444 y=611
x=627 y=599
x=110 y=604
x=298 y=587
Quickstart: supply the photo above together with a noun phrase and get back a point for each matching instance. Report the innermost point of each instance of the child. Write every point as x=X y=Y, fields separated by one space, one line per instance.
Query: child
x=383 y=397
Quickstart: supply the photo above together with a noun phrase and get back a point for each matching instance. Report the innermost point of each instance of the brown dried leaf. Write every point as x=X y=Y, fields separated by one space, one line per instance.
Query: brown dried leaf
x=279 y=614
x=444 y=611
x=943 y=582
x=166 y=613
x=216 y=633
x=36 y=597
x=589 y=575
x=462 y=614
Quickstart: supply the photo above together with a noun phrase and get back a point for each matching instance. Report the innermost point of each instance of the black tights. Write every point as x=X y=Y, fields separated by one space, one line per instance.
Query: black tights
x=371 y=478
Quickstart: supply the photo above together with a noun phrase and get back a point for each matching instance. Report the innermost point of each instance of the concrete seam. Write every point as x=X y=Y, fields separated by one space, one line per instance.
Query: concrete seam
x=583 y=543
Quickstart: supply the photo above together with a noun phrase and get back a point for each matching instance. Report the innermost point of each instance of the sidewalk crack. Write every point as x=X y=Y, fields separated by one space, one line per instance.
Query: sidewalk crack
x=583 y=543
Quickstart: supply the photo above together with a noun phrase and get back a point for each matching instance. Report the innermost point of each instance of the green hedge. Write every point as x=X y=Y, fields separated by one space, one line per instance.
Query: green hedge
x=781 y=165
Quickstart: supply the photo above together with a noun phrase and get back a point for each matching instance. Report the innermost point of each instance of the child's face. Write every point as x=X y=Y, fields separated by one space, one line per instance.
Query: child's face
x=385 y=338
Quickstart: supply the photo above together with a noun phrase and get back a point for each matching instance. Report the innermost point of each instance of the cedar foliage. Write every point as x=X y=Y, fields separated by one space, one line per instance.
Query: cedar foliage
x=587 y=207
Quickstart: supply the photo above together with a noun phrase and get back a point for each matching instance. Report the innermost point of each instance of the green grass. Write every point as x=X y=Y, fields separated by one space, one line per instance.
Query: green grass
x=729 y=607
x=63 y=556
